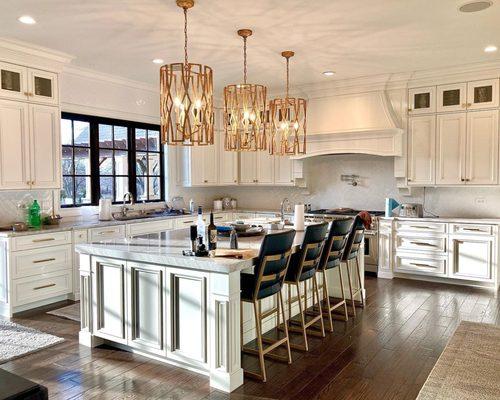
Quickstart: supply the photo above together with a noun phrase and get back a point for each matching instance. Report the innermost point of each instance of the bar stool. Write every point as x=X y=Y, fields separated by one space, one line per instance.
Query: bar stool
x=302 y=268
x=270 y=271
x=356 y=237
x=330 y=259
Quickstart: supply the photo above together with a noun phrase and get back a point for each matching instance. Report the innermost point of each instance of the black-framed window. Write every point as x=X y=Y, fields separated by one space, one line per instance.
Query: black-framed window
x=105 y=158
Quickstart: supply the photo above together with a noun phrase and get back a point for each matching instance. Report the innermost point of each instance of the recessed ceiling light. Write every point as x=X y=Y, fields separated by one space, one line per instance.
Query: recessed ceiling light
x=158 y=60
x=475 y=6
x=328 y=73
x=490 y=49
x=26 y=19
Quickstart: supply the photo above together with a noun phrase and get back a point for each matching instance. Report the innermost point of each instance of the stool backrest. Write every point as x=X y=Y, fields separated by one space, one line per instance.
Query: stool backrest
x=356 y=237
x=312 y=247
x=336 y=243
x=273 y=260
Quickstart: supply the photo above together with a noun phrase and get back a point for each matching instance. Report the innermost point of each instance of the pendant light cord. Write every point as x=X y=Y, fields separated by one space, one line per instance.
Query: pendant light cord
x=185 y=38
x=245 y=60
x=287 y=77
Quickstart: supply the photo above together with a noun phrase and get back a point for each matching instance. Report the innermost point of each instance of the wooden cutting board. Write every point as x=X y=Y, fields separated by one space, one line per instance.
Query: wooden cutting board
x=236 y=253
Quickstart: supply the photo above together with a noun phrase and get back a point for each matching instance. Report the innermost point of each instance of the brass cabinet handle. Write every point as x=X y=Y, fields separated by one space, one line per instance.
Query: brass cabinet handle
x=421 y=265
x=44 y=286
x=43 y=240
x=188 y=222
x=44 y=260
x=424 y=244
x=473 y=229
x=420 y=227
x=105 y=232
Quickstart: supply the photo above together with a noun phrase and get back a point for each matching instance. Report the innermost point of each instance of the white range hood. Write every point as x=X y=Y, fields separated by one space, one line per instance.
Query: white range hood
x=361 y=123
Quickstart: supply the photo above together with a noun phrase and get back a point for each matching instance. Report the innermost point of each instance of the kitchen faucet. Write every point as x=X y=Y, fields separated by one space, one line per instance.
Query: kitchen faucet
x=130 y=197
x=284 y=203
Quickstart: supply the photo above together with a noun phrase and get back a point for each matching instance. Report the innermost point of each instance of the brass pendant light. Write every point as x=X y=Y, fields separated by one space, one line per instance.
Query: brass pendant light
x=288 y=120
x=186 y=99
x=245 y=111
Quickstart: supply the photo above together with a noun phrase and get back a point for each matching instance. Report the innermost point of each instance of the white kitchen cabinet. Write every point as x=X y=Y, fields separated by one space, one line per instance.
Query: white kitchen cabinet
x=29 y=139
x=385 y=249
x=256 y=168
x=265 y=168
x=450 y=148
x=45 y=148
x=228 y=163
x=482 y=148
x=15 y=170
x=422 y=100
x=421 y=150
x=452 y=97
x=80 y=236
x=283 y=171
x=471 y=257
x=198 y=165
x=482 y=94
x=248 y=167
x=28 y=84
x=145 y=296
x=109 y=307
x=13 y=81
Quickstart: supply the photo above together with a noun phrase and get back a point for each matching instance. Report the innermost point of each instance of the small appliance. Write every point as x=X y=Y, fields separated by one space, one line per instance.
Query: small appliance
x=411 y=210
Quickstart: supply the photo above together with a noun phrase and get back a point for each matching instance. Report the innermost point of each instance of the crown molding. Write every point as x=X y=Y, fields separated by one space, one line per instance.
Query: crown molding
x=15 y=49
x=115 y=79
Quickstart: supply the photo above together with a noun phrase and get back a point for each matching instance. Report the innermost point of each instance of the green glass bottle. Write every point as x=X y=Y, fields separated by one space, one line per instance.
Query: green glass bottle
x=34 y=219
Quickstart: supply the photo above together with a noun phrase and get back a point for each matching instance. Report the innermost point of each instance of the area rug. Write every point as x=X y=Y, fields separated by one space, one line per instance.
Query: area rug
x=469 y=367
x=71 y=312
x=17 y=340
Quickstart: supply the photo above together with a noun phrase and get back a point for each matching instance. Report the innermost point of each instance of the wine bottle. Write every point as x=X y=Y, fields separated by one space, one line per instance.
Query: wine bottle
x=200 y=223
x=212 y=234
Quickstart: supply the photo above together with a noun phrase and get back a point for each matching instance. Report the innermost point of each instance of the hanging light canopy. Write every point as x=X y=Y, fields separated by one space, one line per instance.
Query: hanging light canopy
x=288 y=120
x=245 y=111
x=186 y=99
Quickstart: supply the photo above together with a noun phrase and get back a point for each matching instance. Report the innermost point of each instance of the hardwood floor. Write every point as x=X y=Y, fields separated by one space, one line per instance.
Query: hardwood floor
x=387 y=352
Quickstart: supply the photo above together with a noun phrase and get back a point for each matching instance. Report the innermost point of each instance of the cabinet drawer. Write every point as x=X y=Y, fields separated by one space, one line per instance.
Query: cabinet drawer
x=222 y=217
x=106 y=233
x=40 y=261
x=36 y=241
x=183 y=223
x=80 y=236
x=45 y=286
x=470 y=229
x=420 y=226
x=414 y=264
x=421 y=244
x=144 y=228
x=243 y=216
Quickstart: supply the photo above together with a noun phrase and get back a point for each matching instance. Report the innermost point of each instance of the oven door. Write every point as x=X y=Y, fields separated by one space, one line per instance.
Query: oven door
x=371 y=250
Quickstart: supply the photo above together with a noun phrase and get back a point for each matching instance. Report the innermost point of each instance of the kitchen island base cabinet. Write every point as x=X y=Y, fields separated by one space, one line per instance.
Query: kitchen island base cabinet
x=179 y=316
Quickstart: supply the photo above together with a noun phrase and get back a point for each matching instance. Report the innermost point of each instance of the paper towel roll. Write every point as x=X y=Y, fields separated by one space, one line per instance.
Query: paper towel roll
x=299 y=217
x=105 y=209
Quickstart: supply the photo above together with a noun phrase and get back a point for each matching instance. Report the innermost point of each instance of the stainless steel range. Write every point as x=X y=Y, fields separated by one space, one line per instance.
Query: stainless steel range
x=371 y=235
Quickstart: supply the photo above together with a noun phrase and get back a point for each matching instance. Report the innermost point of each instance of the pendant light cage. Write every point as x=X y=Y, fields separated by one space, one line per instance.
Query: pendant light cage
x=245 y=111
x=186 y=99
x=287 y=121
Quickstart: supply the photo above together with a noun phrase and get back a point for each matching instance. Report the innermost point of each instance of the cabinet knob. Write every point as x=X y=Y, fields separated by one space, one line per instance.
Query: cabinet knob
x=467 y=180
x=409 y=180
x=464 y=105
x=205 y=181
x=235 y=181
x=469 y=104
x=28 y=183
x=463 y=180
x=409 y=109
x=26 y=94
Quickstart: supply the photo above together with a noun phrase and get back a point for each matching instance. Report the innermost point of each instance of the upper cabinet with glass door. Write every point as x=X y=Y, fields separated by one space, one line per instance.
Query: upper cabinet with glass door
x=422 y=100
x=482 y=94
x=452 y=97
x=28 y=84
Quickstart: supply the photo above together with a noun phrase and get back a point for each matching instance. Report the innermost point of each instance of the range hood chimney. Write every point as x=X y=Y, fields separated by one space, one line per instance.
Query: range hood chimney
x=361 y=123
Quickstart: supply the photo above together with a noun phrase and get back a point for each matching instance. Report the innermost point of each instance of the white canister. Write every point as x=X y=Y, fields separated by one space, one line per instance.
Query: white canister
x=298 y=220
x=105 y=209
x=234 y=204
x=217 y=205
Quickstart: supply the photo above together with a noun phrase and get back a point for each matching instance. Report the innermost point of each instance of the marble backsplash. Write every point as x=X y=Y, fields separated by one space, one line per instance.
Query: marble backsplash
x=11 y=203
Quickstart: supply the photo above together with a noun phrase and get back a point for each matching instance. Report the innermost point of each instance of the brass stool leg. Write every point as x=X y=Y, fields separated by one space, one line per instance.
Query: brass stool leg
x=343 y=292
x=280 y=299
x=360 y=284
x=350 y=287
x=289 y=302
x=302 y=318
x=259 y=341
x=315 y=289
x=326 y=295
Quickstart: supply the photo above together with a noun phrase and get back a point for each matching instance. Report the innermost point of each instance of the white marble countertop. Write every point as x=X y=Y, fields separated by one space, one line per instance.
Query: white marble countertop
x=166 y=248
x=458 y=220
x=94 y=222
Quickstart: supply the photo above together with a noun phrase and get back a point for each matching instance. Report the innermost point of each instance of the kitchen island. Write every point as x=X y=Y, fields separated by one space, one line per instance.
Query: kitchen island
x=142 y=294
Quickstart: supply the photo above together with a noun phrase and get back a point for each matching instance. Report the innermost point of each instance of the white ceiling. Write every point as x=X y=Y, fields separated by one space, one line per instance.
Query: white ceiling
x=353 y=37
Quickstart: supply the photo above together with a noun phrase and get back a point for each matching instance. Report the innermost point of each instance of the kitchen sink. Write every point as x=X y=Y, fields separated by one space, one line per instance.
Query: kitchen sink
x=143 y=214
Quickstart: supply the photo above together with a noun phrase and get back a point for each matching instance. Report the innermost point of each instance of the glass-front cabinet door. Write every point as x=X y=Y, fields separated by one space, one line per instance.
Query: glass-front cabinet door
x=43 y=86
x=13 y=81
x=452 y=97
x=422 y=100
x=482 y=94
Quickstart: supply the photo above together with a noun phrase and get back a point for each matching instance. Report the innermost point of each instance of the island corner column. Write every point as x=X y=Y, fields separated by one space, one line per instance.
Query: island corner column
x=224 y=318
